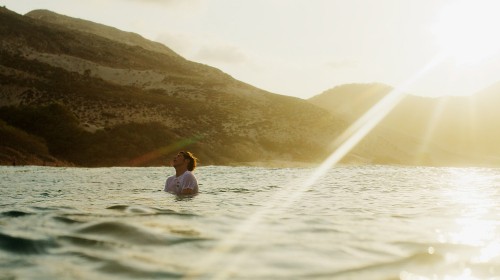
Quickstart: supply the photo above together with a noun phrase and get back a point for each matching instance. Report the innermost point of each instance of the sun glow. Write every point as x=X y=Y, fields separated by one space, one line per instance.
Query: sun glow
x=472 y=195
x=466 y=30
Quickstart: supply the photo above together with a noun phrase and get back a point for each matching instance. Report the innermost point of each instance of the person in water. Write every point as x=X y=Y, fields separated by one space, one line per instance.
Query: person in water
x=183 y=182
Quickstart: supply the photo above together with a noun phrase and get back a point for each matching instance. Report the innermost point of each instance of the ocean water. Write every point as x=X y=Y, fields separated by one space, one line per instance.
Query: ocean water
x=369 y=222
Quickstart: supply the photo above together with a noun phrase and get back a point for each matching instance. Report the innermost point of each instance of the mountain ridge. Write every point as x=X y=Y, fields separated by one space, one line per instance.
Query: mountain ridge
x=75 y=92
x=92 y=77
x=454 y=130
x=102 y=30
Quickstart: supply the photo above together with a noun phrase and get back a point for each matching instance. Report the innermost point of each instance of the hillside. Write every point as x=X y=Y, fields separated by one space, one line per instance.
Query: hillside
x=125 y=100
x=75 y=92
x=430 y=131
x=108 y=32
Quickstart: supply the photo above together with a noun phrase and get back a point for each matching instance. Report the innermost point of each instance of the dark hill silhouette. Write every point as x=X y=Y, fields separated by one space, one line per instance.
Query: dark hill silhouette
x=134 y=105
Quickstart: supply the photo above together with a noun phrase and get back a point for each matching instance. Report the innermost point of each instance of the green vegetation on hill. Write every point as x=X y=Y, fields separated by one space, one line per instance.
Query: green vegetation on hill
x=99 y=29
x=13 y=137
x=54 y=123
x=19 y=147
x=57 y=126
x=127 y=102
x=77 y=92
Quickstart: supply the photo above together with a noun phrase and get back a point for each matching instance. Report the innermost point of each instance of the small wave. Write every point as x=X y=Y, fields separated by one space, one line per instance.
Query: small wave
x=85 y=242
x=114 y=265
x=48 y=208
x=116 y=231
x=132 y=209
x=386 y=270
x=117 y=207
x=118 y=268
x=236 y=190
x=161 y=211
x=66 y=220
x=22 y=245
x=14 y=213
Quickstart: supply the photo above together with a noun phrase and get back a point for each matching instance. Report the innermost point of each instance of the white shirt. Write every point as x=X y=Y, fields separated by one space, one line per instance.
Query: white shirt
x=175 y=184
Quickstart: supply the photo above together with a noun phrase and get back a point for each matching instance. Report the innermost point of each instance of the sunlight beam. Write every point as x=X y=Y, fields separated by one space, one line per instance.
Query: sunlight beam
x=285 y=197
x=357 y=131
x=431 y=127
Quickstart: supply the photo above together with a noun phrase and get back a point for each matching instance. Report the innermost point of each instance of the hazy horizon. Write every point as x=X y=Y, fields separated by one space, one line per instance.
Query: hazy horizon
x=304 y=48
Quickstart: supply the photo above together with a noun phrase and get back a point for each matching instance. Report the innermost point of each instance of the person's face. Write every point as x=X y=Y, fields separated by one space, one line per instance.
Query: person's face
x=178 y=160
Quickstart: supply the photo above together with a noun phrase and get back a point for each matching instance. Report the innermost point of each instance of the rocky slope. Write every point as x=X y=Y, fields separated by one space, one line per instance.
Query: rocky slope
x=130 y=101
x=77 y=92
x=430 y=131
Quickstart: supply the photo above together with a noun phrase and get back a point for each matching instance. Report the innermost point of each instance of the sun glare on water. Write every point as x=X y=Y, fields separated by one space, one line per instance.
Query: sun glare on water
x=474 y=204
x=466 y=31
x=474 y=227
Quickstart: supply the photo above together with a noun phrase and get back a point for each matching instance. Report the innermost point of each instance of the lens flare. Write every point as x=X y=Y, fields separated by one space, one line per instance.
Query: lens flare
x=148 y=157
x=285 y=197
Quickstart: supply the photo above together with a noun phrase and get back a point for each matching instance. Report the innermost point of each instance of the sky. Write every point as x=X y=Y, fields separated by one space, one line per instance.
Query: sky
x=303 y=47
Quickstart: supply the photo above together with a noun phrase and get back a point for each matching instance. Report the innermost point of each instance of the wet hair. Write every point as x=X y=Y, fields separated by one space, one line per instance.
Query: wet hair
x=192 y=160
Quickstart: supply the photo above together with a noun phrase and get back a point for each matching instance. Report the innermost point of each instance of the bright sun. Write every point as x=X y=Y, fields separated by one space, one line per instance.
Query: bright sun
x=467 y=31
